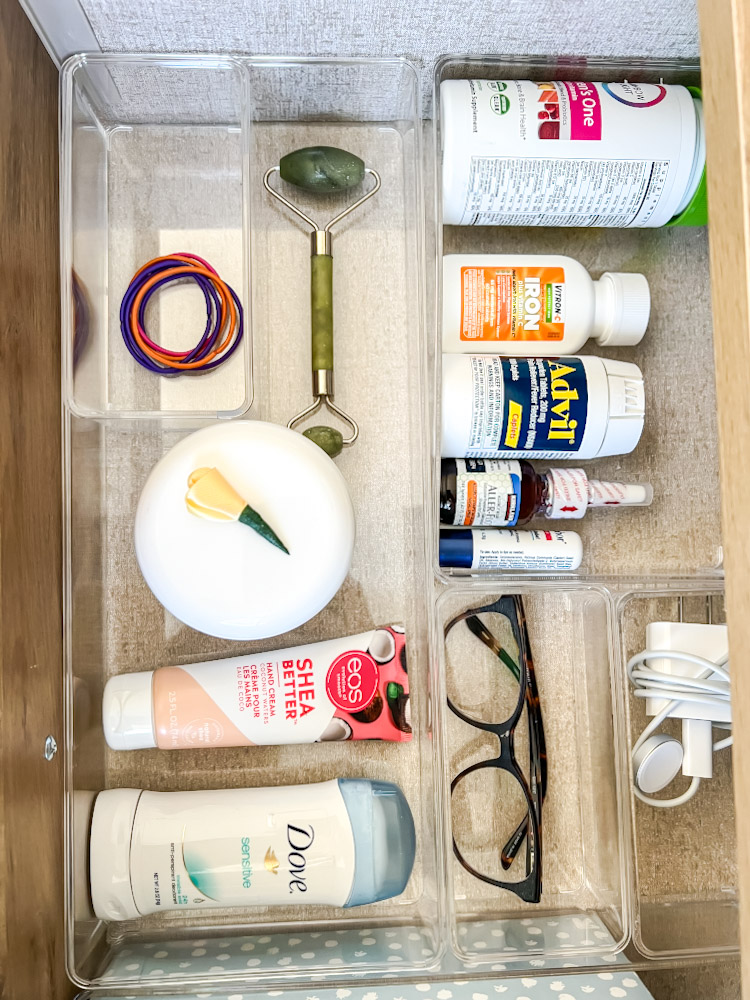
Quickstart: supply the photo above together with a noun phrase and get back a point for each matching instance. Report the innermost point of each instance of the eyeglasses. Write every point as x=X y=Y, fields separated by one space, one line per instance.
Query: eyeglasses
x=492 y=802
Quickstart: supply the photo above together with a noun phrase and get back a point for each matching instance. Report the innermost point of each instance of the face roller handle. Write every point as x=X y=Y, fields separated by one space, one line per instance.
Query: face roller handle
x=321 y=301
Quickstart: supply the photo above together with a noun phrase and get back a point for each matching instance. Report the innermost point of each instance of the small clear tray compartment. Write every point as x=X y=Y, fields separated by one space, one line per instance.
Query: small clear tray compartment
x=153 y=162
x=685 y=859
x=680 y=532
x=585 y=843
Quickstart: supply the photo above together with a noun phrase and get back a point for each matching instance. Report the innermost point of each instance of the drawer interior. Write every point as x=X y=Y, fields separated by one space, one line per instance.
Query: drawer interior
x=147 y=170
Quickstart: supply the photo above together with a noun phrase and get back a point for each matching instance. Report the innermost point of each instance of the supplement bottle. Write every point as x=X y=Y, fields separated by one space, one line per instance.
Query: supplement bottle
x=340 y=843
x=542 y=408
x=537 y=305
x=500 y=549
x=519 y=153
x=477 y=491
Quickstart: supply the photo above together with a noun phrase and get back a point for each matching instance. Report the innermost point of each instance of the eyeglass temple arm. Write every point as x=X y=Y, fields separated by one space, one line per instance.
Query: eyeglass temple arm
x=512 y=846
x=480 y=630
x=538 y=766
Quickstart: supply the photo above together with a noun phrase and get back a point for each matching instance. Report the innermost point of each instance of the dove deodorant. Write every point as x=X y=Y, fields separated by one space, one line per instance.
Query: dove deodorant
x=343 y=843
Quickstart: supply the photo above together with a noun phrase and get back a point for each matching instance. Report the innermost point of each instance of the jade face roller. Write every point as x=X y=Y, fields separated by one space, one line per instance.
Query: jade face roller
x=322 y=170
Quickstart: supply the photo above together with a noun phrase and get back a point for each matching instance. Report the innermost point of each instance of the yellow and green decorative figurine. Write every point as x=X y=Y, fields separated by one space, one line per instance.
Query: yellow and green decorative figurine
x=211 y=497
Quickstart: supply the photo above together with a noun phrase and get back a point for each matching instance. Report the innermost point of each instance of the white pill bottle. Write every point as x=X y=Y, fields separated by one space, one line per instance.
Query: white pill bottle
x=537 y=305
x=520 y=153
x=539 y=408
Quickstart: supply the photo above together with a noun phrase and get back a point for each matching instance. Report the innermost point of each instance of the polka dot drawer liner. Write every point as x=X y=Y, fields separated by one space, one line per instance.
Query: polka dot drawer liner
x=204 y=957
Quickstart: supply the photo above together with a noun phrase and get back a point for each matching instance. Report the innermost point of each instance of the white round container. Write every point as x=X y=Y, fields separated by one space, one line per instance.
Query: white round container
x=543 y=408
x=519 y=153
x=534 y=304
x=224 y=579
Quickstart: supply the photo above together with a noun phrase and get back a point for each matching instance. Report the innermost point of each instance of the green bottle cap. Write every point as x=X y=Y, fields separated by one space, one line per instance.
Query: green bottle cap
x=695 y=212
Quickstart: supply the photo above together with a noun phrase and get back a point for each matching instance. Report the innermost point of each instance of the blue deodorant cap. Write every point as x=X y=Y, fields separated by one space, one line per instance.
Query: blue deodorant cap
x=384 y=839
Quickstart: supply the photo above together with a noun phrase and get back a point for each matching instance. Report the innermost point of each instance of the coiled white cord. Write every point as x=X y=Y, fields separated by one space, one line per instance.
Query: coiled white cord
x=703 y=688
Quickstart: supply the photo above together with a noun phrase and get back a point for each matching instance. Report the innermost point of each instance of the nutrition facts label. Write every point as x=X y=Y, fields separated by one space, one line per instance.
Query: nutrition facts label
x=510 y=191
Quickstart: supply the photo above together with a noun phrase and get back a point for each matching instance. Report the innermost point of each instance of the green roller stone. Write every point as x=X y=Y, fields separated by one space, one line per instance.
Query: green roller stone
x=322 y=169
x=327 y=438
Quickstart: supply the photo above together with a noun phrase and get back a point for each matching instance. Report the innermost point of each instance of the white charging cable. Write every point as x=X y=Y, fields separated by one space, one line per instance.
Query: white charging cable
x=704 y=688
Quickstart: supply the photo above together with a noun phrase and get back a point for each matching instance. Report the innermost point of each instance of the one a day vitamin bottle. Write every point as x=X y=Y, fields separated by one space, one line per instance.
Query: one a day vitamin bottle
x=521 y=153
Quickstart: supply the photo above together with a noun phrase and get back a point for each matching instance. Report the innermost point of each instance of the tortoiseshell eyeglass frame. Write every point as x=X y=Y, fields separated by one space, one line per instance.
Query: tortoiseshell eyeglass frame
x=529 y=829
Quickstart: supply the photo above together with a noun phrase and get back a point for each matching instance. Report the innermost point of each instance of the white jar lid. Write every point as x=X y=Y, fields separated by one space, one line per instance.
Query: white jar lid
x=224 y=579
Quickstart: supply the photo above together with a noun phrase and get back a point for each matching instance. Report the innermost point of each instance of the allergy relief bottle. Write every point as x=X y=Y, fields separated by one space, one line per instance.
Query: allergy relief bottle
x=344 y=843
x=537 y=305
x=542 y=408
x=476 y=491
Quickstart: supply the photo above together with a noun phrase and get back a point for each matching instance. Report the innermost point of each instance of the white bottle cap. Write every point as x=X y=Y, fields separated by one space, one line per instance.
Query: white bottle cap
x=626 y=408
x=605 y=494
x=127 y=712
x=109 y=854
x=623 y=305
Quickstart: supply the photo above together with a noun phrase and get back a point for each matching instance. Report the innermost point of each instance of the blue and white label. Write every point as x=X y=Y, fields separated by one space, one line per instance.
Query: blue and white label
x=488 y=492
x=527 y=407
x=527 y=551
x=242 y=847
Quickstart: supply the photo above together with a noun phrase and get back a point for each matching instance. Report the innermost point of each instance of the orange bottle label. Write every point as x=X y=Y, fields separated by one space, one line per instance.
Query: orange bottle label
x=512 y=303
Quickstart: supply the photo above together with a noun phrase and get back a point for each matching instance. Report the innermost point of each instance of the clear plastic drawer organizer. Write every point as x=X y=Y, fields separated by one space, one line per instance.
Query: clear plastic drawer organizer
x=167 y=153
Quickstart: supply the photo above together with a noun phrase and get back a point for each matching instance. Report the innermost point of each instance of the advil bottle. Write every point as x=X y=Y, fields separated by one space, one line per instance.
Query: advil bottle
x=542 y=408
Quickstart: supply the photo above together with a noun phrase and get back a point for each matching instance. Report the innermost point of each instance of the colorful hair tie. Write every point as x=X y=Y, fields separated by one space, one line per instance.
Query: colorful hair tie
x=224 y=324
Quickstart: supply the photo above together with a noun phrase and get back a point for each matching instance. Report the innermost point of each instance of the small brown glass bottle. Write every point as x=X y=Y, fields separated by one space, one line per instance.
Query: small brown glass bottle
x=479 y=491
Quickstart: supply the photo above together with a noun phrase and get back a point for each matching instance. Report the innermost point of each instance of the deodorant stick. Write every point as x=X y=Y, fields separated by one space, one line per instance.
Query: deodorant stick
x=341 y=843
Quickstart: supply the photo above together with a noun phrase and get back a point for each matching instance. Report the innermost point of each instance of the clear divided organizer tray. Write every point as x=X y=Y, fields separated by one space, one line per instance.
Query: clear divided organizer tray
x=167 y=153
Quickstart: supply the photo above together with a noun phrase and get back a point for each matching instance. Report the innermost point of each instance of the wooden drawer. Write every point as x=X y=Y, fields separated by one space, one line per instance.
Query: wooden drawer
x=31 y=948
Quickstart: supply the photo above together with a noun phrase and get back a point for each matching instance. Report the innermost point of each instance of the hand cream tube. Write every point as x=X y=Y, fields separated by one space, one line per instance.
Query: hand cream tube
x=356 y=688
x=344 y=843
